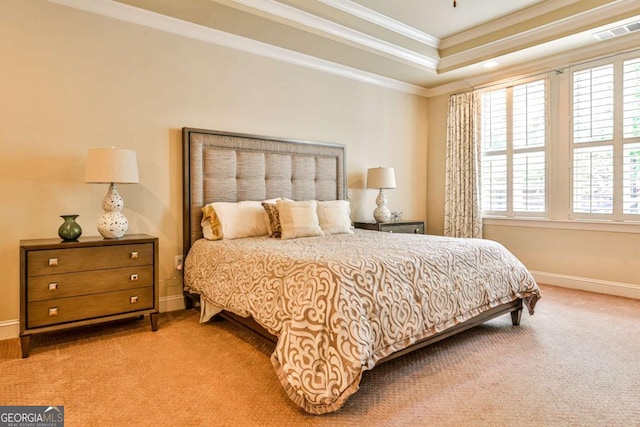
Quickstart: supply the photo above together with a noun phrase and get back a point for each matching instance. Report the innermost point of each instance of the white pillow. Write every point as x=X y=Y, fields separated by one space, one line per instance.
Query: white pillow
x=236 y=220
x=335 y=217
x=298 y=219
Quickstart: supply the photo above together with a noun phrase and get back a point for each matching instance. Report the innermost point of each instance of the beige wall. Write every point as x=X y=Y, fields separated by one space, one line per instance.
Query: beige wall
x=71 y=80
x=437 y=136
x=602 y=261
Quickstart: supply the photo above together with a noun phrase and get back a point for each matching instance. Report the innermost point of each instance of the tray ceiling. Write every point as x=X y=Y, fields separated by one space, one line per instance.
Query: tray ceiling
x=420 y=45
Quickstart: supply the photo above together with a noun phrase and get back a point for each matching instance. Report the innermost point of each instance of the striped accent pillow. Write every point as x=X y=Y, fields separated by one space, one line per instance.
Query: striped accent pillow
x=299 y=219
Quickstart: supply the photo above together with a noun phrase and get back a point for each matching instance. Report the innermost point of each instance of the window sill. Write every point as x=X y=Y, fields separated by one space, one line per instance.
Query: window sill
x=583 y=225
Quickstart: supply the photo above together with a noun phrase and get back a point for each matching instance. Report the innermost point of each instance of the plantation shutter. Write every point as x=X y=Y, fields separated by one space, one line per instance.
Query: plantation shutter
x=593 y=162
x=494 y=143
x=514 y=135
x=529 y=136
x=631 y=135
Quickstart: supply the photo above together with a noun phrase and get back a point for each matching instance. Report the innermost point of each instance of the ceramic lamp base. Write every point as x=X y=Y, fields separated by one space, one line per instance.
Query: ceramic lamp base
x=382 y=212
x=112 y=225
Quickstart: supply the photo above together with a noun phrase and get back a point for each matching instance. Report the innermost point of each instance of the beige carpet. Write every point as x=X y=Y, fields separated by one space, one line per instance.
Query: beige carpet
x=576 y=362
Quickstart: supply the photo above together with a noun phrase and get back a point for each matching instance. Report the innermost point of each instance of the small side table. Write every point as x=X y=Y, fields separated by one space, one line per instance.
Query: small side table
x=410 y=227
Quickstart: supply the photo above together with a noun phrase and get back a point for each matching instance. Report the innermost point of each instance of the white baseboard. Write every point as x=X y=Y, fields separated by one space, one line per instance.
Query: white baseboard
x=620 y=289
x=171 y=303
x=11 y=328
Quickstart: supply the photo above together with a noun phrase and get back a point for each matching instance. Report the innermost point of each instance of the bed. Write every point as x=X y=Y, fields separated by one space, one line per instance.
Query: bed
x=338 y=304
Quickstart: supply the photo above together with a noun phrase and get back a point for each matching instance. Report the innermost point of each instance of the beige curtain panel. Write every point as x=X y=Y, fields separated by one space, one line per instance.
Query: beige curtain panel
x=462 y=210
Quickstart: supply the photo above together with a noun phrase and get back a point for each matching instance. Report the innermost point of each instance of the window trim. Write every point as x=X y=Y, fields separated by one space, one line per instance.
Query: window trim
x=632 y=227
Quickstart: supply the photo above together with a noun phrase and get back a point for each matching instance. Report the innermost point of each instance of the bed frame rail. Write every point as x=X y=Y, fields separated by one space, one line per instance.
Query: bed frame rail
x=513 y=307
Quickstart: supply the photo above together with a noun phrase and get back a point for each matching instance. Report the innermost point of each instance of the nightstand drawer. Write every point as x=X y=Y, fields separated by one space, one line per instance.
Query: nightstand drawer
x=88 y=282
x=52 y=312
x=56 y=261
x=403 y=228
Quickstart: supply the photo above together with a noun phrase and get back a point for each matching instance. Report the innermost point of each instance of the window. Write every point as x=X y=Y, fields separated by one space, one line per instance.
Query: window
x=564 y=147
x=606 y=141
x=514 y=140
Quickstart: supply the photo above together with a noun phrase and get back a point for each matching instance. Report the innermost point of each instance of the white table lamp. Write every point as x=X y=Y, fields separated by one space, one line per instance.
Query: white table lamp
x=381 y=178
x=112 y=166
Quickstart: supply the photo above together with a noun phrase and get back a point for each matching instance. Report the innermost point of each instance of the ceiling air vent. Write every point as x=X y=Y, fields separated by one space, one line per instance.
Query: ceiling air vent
x=617 y=31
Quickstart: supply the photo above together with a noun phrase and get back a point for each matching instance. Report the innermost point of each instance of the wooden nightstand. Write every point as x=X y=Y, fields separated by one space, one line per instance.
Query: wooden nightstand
x=411 y=227
x=85 y=282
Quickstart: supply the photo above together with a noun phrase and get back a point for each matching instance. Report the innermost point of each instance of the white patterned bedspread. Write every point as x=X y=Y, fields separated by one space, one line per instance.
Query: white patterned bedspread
x=340 y=303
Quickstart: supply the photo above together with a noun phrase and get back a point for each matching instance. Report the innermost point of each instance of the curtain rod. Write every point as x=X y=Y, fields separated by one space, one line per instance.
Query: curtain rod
x=513 y=79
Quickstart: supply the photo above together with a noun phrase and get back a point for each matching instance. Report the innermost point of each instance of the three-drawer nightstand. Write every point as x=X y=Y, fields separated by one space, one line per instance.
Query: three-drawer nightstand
x=85 y=282
x=411 y=227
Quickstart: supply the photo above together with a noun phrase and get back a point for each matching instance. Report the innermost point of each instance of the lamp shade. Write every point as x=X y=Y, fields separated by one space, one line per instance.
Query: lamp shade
x=111 y=165
x=381 y=178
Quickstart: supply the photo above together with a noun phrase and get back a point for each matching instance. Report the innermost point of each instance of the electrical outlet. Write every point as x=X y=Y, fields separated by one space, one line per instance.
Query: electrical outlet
x=349 y=193
x=178 y=262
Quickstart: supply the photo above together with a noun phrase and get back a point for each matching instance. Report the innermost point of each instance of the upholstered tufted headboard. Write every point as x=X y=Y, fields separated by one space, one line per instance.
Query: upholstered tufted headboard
x=230 y=167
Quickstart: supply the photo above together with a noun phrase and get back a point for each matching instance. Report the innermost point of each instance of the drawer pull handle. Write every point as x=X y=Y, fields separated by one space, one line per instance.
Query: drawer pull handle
x=134 y=277
x=53 y=286
x=417 y=231
x=134 y=299
x=134 y=254
x=53 y=311
x=53 y=262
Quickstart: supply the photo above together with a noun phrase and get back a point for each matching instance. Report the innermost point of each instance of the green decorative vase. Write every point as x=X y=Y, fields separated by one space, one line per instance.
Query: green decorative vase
x=69 y=230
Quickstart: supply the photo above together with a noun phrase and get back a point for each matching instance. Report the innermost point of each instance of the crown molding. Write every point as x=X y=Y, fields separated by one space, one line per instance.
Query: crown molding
x=604 y=15
x=504 y=22
x=131 y=14
x=384 y=21
x=562 y=60
x=134 y=15
x=343 y=33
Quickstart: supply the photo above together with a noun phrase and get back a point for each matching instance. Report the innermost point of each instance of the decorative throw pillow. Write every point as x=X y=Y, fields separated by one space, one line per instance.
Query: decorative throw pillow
x=211 y=228
x=298 y=219
x=335 y=217
x=235 y=220
x=274 y=228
